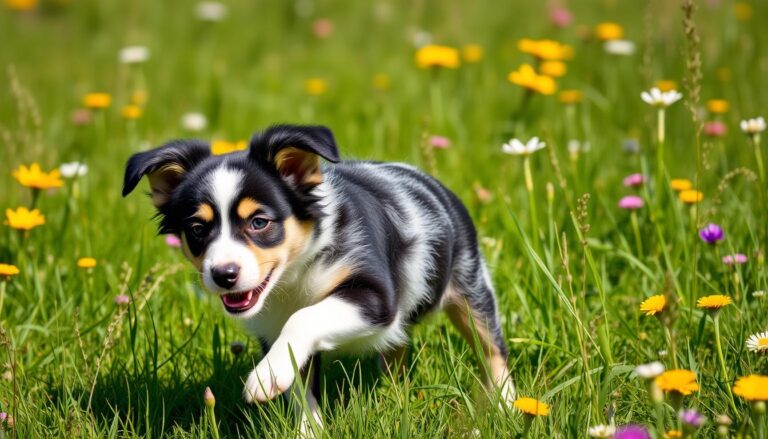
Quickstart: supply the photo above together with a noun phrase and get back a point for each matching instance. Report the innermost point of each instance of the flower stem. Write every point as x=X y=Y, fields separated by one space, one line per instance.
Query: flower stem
x=436 y=99
x=758 y=156
x=723 y=370
x=531 y=201
x=3 y=282
x=212 y=422
x=672 y=348
x=636 y=228
x=659 y=154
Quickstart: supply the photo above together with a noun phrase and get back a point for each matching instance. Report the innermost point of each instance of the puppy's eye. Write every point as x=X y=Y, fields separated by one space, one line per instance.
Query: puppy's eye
x=259 y=223
x=197 y=230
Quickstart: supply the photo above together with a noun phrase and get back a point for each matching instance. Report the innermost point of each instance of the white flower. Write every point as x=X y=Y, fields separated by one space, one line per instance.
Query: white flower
x=649 y=371
x=619 y=47
x=758 y=342
x=758 y=294
x=194 y=121
x=575 y=147
x=753 y=126
x=659 y=98
x=134 y=55
x=73 y=169
x=602 y=431
x=516 y=147
x=211 y=11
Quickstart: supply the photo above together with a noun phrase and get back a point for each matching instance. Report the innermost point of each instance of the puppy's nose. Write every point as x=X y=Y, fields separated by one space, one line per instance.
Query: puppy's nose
x=225 y=275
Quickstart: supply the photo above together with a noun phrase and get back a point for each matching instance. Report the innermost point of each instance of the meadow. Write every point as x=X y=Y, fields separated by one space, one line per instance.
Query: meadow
x=602 y=243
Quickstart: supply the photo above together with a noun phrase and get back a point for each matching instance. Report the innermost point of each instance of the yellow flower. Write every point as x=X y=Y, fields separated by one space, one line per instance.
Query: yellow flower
x=8 y=270
x=433 y=55
x=653 y=305
x=86 y=262
x=553 y=68
x=131 y=112
x=315 y=86
x=23 y=218
x=97 y=100
x=381 y=81
x=139 y=97
x=680 y=184
x=609 y=31
x=21 y=5
x=713 y=302
x=550 y=50
x=666 y=85
x=35 y=178
x=717 y=106
x=673 y=434
x=752 y=387
x=219 y=147
x=691 y=196
x=570 y=96
x=526 y=77
x=743 y=11
x=533 y=407
x=681 y=381
x=472 y=53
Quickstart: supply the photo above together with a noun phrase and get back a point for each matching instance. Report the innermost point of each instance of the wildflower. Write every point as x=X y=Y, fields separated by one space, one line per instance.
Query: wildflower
x=81 y=116
x=194 y=121
x=208 y=398
x=420 y=38
x=692 y=418
x=661 y=99
x=483 y=195
x=532 y=407
x=650 y=371
x=753 y=126
x=322 y=28
x=570 y=96
x=23 y=218
x=97 y=101
x=172 y=241
x=758 y=343
x=237 y=347
x=673 y=434
x=122 y=299
x=631 y=146
x=711 y=233
x=133 y=55
x=634 y=180
x=8 y=270
x=680 y=184
x=576 y=147
x=631 y=202
x=548 y=50
x=619 y=47
x=752 y=387
x=743 y=11
x=435 y=56
x=560 y=16
x=758 y=294
x=439 y=142
x=602 y=431
x=632 y=432
x=553 y=68
x=315 y=86
x=211 y=11
x=717 y=106
x=690 y=196
x=653 y=305
x=666 y=85
x=21 y=5
x=381 y=81
x=516 y=147
x=86 y=262
x=219 y=147
x=609 y=31
x=472 y=53
x=34 y=177
x=679 y=381
x=527 y=78
x=736 y=258
x=715 y=128
x=131 y=112
x=73 y=169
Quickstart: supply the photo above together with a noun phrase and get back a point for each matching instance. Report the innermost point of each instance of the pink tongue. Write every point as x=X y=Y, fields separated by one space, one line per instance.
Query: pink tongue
x=237 y=300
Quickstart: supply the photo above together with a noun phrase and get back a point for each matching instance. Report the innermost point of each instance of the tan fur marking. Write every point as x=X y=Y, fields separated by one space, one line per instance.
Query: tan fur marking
x=296 y=235
x=196 y=261
x=205 y=212
x=247 y=207
x=163 y=181
x=338 y=277
x=305 y=165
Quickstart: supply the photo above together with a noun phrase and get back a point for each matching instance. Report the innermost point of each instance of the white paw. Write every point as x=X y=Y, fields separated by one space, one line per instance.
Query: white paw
x=306 y=429
x=269 y=379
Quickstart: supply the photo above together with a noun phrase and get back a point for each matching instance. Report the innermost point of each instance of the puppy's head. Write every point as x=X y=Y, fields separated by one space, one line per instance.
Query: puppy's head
x=242 y=217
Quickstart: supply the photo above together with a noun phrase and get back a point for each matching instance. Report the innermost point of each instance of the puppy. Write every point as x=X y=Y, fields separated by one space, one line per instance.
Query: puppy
x=314 y=257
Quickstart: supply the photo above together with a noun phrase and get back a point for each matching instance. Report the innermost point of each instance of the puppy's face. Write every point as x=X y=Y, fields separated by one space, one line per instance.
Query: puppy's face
x=242 y=218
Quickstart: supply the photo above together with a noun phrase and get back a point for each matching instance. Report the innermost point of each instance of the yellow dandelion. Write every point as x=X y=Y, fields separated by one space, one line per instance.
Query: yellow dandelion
x=555 y=69
x=131 y=112
x=315 y=86
x=23 y=218
x=526 y=77
x=21 y=5
x=680 y=381
x=680 y=184
x=436 y=56
x=8 y=270
x=673 y=434
x=717 y=106
x=548 y=50
x=752 y=387
x=381 y=81
x=665 y=85
x=86 y=262
x=532 y=407
x=472 y=53
x=34 y=177
x=219 y=147
x=653 y=305
x=609 y=31
x=96 y=101
x=713 y=302
x=691 y=196
x=570 y=96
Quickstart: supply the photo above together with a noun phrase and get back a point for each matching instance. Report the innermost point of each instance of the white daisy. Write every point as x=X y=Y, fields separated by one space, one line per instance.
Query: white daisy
x=758 y=342
x=133 y=54
x=516 y=147
x=659 y=98
x=753 y=126
x=194 y=121
x=73 y=169
x=758 y=294
x=619 y=47
x=602 y=431
x=650 y=371
x=211 y=11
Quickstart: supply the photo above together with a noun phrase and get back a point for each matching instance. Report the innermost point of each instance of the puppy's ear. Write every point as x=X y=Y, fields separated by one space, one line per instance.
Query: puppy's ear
x=295 y=151
x=165 y=167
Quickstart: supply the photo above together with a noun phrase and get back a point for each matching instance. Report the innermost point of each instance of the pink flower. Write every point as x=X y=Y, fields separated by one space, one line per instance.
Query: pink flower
x=631 y=202
x=439 y=142
x=715 y=128
x=81 y=117
x=736 y=258
x=172 y=241
x=122 y=299
x=634 y=180
x=322 y=28
x=560 y=16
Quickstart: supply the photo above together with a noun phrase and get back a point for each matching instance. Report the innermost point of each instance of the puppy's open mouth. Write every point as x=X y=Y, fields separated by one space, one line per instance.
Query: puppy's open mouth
x=244 y=300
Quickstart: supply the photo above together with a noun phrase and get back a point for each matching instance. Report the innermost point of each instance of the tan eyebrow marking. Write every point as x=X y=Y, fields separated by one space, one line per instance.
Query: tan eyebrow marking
x=247 y=207
x=204 y=212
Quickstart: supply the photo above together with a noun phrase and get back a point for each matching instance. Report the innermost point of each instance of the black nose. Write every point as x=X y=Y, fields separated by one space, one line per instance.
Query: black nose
x=225 y=275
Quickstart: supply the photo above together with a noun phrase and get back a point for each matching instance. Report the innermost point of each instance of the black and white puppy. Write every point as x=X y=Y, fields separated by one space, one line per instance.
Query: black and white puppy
x=315 y=257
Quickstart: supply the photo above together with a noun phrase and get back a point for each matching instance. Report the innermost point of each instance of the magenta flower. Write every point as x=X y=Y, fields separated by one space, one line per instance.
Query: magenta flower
x=172 y=241
x=631 y=202
x=322 y=28
x=736 y=258
x=632 y=432
x=715 y=128
x=634 y=180
x=560 y=16
x=122 y=299
x=711 y=234
x=692 y=418
x=439 y=142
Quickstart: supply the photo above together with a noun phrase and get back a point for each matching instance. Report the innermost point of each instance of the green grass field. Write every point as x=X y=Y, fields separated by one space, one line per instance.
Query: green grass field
x=571 y=267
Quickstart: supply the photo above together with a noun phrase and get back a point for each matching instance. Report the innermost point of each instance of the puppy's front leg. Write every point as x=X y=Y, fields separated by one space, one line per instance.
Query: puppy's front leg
x=319 y=327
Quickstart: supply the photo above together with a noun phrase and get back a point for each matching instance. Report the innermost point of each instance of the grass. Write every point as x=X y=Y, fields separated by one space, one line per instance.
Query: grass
x=75 y=364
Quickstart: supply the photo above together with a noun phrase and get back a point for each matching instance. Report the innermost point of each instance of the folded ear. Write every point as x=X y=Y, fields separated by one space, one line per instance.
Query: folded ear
x=165 y=167
x=295 y=151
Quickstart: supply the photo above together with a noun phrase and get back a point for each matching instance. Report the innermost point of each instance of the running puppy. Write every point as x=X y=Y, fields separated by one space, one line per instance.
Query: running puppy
x=318 y=257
